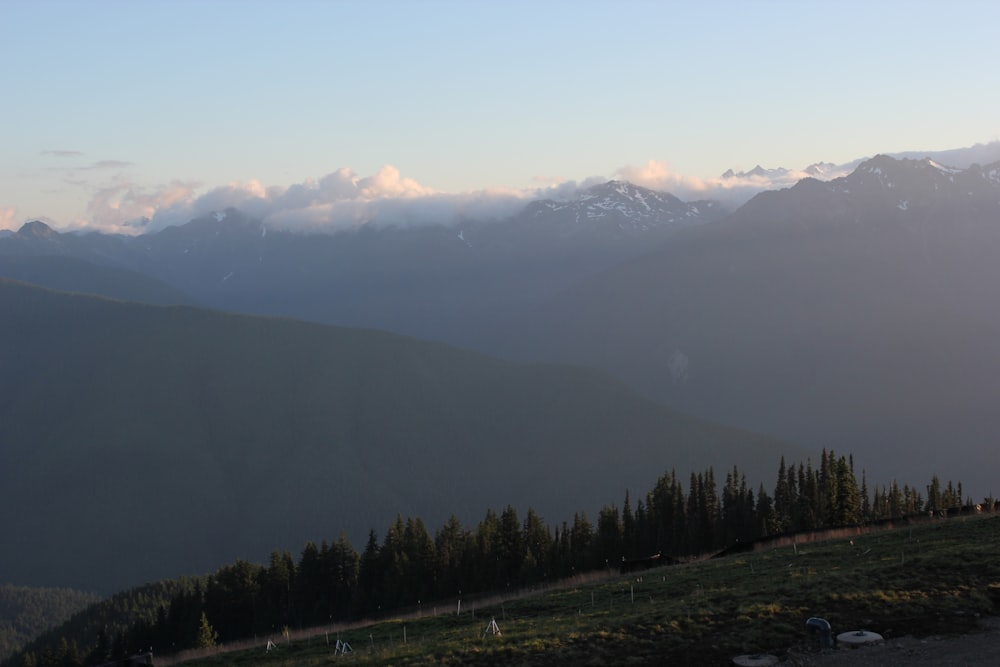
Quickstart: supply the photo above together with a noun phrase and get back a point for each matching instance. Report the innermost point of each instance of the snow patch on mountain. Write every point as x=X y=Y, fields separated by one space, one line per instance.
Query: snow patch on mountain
x=943 y=168
x=623 y=206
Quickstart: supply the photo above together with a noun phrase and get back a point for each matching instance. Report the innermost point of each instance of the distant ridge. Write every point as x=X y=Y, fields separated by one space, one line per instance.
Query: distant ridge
x=855 y=312
x=452 y=283
x=160 y=441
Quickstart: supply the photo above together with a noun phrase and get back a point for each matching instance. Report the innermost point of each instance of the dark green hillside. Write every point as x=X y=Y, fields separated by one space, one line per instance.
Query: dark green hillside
x=27 y=612
x=77 y=275
x=141 y=442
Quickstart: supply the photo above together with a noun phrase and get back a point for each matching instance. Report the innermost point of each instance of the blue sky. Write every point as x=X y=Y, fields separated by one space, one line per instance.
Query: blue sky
x=116 y=109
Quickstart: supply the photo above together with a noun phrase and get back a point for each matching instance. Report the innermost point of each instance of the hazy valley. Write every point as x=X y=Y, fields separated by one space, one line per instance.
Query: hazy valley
x=223 y=390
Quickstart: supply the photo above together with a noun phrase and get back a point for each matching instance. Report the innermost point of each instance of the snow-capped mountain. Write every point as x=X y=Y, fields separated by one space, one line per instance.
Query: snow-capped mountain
x=923 y=180
x=757 y=172
x=885 y=190
x=443 y=282
x=857 y=313
x=763 y=178
x=619 y=207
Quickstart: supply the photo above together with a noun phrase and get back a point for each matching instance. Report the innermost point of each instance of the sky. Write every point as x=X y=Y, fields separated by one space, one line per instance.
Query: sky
x=336 y=113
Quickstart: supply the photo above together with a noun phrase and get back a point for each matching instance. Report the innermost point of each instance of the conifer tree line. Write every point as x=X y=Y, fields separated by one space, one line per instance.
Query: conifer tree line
x=411 y=568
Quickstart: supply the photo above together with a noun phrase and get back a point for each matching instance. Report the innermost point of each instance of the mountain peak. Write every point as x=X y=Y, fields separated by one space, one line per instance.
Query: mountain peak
x=36 y=229
x=620 y=207
x=757 y=172
x=884 y=165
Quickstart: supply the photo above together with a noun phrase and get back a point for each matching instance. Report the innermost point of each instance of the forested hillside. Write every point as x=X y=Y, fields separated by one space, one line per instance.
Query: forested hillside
x=411 y=568
x=27 y=612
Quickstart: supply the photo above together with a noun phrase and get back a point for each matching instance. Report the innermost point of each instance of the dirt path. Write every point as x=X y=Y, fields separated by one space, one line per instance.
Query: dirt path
x=979 y=648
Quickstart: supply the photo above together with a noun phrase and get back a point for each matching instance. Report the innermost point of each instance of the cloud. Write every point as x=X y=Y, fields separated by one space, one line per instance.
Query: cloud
x=387 y=182
x=62 y=153
x=339 y=200
x=127 y=207
x=109 y=164
x=732 y=189
x=343 y=199
x=7 y=216
x=657 y=175
x=95 y=166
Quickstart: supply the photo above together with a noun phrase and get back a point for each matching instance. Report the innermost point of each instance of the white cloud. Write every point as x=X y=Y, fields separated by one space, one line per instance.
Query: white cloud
x=387 y=182
x=120 y=207
x=344 y=200
x=7 y=215
x=733 y=190
x=657 y=175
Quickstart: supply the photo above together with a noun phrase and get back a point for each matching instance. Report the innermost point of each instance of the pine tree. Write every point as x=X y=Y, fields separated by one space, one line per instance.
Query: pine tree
x=510 y=549
x=370 y=576
x=784 y=501
x=628 y=529
x=847 y=502
x=582 y=543
x=866 y=508
x=609 y=536
x=934 y=497
x=450 y=545
x=765 y=515
x=537 y=541
x=207 y=636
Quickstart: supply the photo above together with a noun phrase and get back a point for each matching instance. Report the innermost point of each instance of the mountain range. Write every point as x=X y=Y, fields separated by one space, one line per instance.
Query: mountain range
x=855 y=313
x=444 y=283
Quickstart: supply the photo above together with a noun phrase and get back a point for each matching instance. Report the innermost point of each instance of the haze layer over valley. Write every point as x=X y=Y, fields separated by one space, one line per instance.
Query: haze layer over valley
x=852 y=314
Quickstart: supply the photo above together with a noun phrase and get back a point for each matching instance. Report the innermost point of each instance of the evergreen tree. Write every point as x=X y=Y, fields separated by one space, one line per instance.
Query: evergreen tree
x=538 y=541
x=421 y=556
x=766 y=517
x=450 y=546
x=345 y=571
x=807 y=502
x=847 y=502
x=644 y=541
x=487 y=552
x=934 y=497
x=394 y=565
x=608 y=542
x=784 y=499
x=866 y=508
x=629 y=535
x=207 y=636
x=510 y=548
x=582 y=544
x=370 y=576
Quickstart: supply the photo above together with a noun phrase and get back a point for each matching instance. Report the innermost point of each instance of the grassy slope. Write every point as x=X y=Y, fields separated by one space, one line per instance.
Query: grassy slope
x=931 y=579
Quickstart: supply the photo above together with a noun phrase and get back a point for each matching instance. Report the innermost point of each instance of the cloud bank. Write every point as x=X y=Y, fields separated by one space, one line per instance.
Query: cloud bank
x=345 y=200
x=732 y=188
x=340 y=200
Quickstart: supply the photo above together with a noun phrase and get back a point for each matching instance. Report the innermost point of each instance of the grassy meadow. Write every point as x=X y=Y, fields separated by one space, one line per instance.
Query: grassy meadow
x=928 y=579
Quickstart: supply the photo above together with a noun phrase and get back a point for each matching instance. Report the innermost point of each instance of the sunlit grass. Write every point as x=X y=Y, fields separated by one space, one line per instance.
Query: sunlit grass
x=933 y=579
